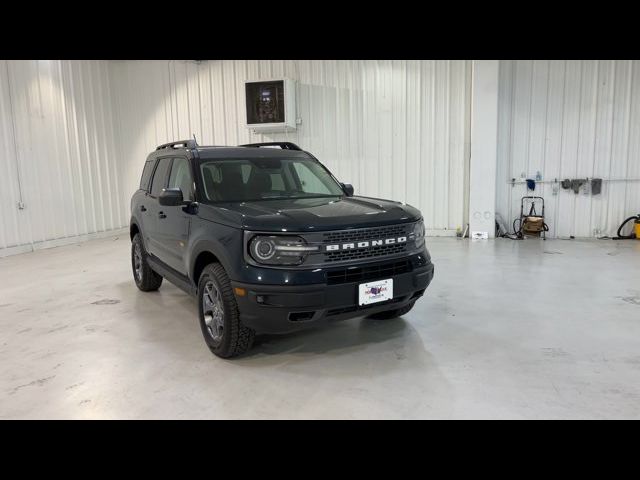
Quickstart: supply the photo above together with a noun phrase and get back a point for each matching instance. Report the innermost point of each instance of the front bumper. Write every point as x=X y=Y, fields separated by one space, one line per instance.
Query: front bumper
x=286 y=308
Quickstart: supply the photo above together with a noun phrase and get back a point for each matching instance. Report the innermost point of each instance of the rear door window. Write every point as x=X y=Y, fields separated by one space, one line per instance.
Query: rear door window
x=146 y=175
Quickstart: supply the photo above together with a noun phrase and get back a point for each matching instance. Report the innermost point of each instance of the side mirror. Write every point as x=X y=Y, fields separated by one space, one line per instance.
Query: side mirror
x=171 y=197
x=348 y=189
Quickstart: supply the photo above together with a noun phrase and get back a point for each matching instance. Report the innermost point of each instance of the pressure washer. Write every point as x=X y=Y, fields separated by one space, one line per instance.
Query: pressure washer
x=531 y=224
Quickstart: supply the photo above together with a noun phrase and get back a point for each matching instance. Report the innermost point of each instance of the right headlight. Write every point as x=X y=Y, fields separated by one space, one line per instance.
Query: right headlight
x=279 y=250
x=418 y=234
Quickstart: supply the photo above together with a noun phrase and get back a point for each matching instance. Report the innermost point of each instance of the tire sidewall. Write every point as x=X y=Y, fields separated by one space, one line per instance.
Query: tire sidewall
x=221 y=345
x=150 y=281
x=137 y=241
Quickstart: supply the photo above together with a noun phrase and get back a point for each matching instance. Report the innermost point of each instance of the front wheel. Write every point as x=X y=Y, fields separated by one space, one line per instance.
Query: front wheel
x=389 y=314
x=222 y=329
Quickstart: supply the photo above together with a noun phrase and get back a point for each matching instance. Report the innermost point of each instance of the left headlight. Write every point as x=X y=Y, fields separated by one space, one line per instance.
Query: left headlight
x=418 y=234
x=279 y=250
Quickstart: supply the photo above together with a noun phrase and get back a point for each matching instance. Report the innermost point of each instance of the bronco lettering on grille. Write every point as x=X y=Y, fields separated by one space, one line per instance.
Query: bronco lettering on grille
x=364 y=244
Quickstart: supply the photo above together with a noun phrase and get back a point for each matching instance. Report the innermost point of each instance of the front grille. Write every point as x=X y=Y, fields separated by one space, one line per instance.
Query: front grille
x=363 y=234
x=363 y=274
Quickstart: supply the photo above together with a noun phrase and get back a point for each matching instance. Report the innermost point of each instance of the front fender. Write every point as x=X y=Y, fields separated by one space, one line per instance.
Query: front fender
x=224 y=242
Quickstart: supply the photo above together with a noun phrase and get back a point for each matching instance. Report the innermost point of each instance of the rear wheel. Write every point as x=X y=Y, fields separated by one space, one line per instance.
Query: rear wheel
x=222 y=329
x=146 y=279
x=389 y=314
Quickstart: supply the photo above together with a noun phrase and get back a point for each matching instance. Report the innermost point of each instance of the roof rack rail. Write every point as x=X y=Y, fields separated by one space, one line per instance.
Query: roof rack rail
x=191 y=143
x=282 y=145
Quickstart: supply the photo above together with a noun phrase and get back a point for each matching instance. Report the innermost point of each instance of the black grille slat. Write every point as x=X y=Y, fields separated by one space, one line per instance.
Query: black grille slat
x=339 y=256
x=364 y=234
x=363 y=274
x=353 y=308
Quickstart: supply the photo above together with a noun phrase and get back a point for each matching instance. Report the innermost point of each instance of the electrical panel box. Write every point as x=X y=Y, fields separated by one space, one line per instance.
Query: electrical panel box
x=271 y=105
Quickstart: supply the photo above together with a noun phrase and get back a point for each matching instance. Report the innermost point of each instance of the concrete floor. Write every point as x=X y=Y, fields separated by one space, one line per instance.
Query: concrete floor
x=507 y=330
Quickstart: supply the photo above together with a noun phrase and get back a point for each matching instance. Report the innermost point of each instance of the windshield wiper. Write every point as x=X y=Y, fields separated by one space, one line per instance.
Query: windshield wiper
x=292 y=196
x=272 y=197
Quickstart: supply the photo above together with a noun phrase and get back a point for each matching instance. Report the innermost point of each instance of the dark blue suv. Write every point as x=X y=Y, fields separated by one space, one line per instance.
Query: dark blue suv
x=270 y=242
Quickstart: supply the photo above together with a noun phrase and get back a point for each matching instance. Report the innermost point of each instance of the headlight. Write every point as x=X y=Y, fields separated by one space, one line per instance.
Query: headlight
x=279 y=250
x=418 y=234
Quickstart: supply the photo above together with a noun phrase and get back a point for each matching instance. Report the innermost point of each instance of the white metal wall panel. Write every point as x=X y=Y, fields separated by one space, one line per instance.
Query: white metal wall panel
x=11 y=219
x=58 y=151
x=395 y=129
x=571 y=119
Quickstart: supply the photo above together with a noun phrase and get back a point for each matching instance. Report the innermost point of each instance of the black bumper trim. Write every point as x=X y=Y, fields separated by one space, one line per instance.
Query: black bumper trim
x=267 y=308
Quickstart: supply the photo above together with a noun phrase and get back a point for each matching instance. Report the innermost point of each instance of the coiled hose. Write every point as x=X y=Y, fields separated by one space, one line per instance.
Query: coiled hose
x=631 y=235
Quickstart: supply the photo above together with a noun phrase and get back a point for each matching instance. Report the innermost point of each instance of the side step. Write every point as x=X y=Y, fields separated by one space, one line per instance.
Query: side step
x=174 y=277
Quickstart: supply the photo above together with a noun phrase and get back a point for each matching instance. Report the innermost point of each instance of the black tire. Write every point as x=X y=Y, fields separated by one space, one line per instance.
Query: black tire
x=146 y=279
x=233 y=337
x=389 y=314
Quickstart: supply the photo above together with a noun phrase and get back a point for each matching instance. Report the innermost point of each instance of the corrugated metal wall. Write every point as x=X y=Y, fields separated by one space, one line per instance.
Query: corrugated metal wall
x=395 y=129
x=74 y=134
x=58 y=152
x=571 y=119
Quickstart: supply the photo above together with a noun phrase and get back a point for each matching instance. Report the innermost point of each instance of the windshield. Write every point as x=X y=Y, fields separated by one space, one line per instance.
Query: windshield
x=266 y=178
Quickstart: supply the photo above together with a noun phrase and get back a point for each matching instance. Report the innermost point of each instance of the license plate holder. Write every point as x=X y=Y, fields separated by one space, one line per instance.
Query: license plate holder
x=375 y=292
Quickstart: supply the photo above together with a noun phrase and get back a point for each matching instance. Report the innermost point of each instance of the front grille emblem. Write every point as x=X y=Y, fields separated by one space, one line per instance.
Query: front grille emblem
x=364 y=244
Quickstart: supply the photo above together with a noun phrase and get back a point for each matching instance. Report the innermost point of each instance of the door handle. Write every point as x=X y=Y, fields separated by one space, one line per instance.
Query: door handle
x=143 y=208
x=161 y=215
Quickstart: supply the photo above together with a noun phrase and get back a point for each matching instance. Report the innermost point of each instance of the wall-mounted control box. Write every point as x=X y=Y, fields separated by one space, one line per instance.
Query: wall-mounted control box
x=271 y=105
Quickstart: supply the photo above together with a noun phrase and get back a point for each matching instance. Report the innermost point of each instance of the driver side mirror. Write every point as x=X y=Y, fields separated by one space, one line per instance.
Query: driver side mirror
x=171 y=197
x=348 y=189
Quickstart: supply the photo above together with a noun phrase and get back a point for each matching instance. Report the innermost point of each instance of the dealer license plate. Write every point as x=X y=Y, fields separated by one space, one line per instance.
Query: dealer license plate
x=374 y=292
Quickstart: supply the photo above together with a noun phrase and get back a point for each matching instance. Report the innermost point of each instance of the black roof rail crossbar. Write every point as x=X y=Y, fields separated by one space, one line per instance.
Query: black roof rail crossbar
x=282 y=145
x=191 y=143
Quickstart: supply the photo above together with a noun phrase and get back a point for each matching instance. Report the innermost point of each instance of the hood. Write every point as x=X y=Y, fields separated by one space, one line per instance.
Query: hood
x=311 y=214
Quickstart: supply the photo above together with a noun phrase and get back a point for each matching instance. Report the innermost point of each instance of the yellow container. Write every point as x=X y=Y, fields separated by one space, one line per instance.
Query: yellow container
x=637 y=229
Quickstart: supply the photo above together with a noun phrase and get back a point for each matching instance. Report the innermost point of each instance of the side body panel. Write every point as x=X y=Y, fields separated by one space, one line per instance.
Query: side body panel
x=172 y=231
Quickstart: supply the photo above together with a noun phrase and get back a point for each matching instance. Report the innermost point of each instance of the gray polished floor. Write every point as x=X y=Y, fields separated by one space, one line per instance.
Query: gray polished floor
x=507 y=330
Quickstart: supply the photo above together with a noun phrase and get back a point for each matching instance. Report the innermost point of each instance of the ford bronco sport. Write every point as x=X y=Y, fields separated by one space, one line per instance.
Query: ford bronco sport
x=270 y=242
